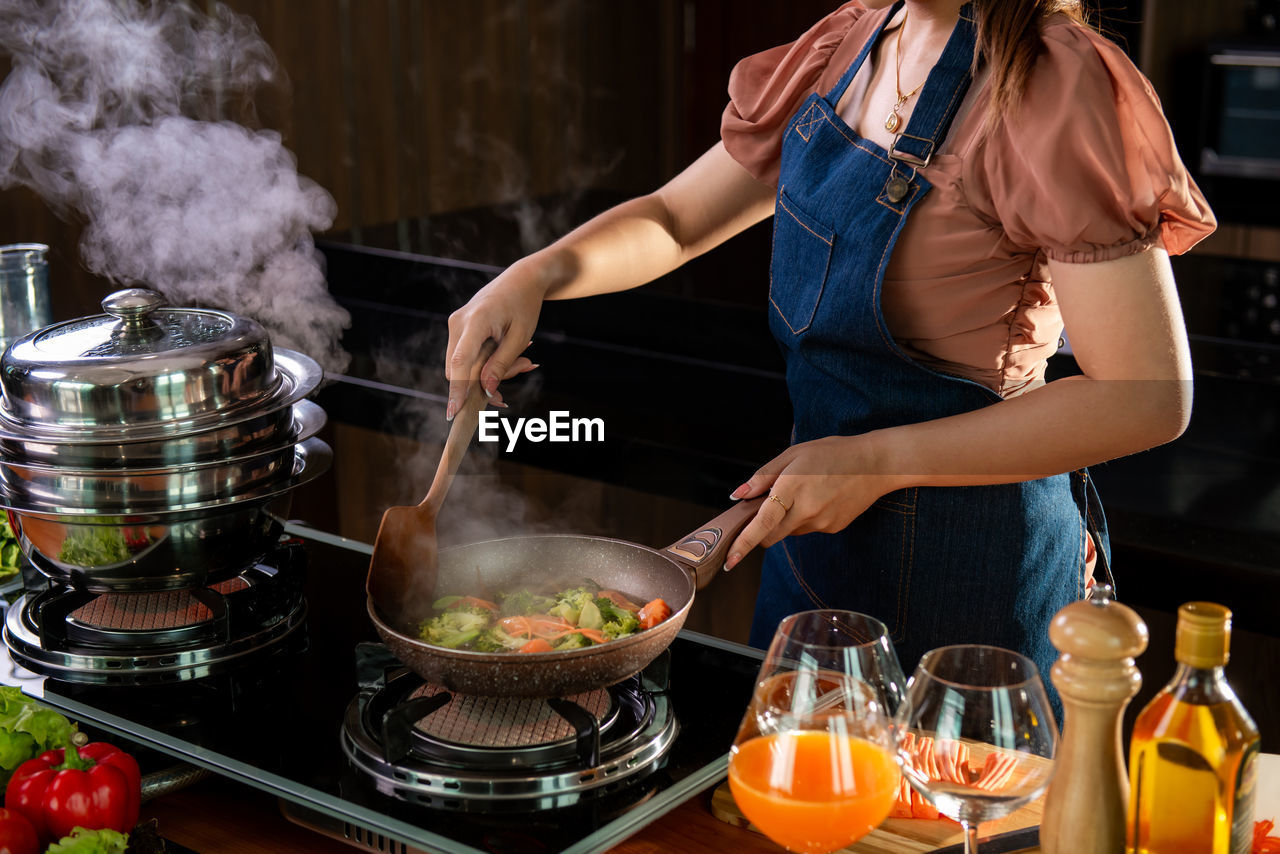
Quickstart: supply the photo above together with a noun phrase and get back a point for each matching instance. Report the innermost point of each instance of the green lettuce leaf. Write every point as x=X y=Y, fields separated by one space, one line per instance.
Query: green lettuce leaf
x=27 y=729
x=10 y=551
x=97 y=545
x=83 y=841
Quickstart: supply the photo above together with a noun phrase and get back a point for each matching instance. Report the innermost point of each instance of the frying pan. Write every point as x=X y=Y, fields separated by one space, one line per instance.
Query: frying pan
x=554 y=561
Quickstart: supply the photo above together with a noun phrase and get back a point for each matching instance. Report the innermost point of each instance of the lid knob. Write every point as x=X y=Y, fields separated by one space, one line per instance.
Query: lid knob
x=133 y=308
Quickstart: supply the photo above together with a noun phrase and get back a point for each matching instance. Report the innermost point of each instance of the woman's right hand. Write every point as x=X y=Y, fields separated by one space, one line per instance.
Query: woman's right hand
x=505 y=310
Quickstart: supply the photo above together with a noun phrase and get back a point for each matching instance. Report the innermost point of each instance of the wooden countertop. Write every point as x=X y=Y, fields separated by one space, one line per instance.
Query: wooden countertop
x=218 y=816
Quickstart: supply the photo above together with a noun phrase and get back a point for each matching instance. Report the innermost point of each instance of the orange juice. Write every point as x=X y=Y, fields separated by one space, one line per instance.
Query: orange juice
x=813 y=791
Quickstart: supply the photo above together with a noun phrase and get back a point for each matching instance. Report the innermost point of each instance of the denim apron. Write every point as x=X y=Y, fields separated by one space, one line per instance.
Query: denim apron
x=938 y=565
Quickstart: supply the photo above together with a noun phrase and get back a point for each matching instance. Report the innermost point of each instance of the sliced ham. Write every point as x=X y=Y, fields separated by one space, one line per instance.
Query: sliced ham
x=947 y=760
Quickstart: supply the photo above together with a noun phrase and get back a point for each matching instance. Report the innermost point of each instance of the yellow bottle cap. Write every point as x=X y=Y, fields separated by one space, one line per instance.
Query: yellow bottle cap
x=1204 y=635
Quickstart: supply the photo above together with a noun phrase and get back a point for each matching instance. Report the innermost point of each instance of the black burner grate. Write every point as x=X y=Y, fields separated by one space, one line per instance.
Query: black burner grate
x=505 y=722
x=172 y=609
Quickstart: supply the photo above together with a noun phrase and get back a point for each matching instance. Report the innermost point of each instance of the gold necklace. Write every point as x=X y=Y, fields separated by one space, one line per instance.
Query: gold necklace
x=893 y=120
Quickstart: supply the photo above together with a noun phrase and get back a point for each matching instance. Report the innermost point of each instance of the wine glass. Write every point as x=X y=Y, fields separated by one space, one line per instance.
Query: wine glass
x=976 y=736
x=813 y=764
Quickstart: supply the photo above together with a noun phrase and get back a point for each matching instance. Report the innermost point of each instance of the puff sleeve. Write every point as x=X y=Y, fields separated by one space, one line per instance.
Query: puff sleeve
x=1086 y=169
x=765 y=89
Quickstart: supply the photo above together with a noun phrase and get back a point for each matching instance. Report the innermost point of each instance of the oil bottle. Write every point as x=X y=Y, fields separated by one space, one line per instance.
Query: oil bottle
x=1192 y=759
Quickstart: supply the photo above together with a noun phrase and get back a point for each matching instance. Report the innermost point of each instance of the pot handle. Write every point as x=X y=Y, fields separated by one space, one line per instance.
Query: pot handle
x=705 y=550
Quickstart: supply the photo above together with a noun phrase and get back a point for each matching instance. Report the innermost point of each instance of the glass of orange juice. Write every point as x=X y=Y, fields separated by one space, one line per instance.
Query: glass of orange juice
x=813 y=764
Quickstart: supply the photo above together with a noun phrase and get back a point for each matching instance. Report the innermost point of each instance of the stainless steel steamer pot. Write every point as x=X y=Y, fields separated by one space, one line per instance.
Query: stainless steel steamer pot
x=153 y=447
x=180 y=547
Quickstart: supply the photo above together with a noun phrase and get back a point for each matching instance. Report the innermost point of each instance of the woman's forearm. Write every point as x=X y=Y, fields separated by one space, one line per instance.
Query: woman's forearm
x=1063 y=426
x=624 y=247
x=1135 y=393
x=645 y=238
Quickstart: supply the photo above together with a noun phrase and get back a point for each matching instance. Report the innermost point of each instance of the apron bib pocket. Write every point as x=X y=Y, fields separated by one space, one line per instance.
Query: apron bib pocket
x=801 y=257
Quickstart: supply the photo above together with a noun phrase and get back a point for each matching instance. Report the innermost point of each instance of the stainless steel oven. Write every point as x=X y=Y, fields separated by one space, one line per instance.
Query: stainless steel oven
x=1234 y=149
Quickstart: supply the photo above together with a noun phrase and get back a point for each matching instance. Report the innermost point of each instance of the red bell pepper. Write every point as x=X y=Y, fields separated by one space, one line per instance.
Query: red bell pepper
x=93 y=787
x=17 y=836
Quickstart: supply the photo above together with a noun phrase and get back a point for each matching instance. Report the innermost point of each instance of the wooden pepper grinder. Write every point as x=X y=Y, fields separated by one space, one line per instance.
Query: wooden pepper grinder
x=1097 y=639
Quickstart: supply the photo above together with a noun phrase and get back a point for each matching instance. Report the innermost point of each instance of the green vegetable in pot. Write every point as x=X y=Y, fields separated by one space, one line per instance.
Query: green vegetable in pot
x=27 y=729
x=569 y=604
x=10 y=552
x=97 y=545
x=625 y=625
x=573 y=641
x=83 y=841
x=525 y=603
x=454 y=628
x=527 y=622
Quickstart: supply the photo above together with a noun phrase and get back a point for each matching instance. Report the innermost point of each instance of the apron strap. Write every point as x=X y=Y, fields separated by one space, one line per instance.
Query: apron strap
x=944 y=90
x=837 y=92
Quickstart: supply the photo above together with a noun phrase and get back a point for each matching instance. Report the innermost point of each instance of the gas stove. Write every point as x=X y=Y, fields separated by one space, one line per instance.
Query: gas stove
x=359 y=748
x=424 y=744
x=138 y=638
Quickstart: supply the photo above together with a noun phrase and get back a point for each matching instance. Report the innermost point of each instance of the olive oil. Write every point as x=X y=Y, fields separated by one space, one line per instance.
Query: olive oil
x=1192 y=768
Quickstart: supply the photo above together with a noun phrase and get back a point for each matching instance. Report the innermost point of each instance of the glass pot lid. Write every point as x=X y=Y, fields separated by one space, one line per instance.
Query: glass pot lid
x=141 y=364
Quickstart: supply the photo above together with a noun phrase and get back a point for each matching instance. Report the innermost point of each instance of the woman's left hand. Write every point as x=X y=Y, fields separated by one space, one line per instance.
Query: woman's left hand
x=821 y=485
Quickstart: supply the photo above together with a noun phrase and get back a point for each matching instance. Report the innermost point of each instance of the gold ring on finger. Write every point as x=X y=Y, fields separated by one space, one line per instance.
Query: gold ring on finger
x=781 y=503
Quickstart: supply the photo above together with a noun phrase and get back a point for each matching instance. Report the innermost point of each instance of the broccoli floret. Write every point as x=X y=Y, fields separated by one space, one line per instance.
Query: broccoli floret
x=573 y=641
x=505 y=641
x=626 y=624
x=609 y=611
x=569 y=603
x=523 y=603
x=496 y=640
x=472 y=608
x=455 y=628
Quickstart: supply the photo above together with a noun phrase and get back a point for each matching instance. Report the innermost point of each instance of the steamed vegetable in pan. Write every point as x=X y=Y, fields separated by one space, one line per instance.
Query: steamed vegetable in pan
x=525 y=621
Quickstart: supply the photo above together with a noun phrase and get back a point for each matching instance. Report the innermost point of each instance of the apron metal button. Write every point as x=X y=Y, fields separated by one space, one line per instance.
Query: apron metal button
x=896 y=189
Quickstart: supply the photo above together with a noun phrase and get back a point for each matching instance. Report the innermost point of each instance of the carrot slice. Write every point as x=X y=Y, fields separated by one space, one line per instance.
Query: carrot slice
x=541 y=624
x=1263 y=841
x=530 y=626
x=590 y=634
x=516 y=626
x=654 y=612
x=537 y=645
x=902 y=804
x=997 y=770
x=921 y=808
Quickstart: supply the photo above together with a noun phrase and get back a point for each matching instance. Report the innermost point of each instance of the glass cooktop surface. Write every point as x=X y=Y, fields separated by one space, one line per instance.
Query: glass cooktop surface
x=275 y=722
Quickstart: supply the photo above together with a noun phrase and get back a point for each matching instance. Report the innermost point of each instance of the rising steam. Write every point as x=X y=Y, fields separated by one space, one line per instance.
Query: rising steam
x=111 y=111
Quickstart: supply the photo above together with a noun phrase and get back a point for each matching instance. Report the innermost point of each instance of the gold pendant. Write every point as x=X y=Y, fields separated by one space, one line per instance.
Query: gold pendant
x=892 y=121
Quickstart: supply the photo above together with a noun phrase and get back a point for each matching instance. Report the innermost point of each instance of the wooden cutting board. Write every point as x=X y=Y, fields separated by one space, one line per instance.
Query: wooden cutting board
x=895 y=835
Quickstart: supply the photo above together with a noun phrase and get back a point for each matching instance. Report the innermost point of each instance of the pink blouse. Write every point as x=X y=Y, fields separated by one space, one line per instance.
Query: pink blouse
x=1086 y=170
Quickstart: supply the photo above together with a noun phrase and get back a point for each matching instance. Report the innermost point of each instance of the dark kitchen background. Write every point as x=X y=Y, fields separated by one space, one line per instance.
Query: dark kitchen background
x=456 y=137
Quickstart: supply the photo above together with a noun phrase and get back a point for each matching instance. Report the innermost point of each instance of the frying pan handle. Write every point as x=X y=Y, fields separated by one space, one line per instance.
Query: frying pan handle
x=704 y=550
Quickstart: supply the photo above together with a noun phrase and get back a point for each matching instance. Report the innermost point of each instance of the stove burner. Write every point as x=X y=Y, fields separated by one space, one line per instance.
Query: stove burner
x=506 y=722
x=173 y=609
x=164 y=636
x=422 y=744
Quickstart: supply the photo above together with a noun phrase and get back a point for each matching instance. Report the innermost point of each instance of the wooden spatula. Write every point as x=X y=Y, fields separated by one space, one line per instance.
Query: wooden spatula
x=402 y=569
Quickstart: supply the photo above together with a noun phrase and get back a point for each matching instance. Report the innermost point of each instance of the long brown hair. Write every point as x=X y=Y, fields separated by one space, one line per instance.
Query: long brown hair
x=1009 y=39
